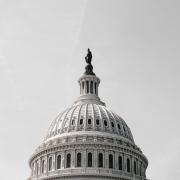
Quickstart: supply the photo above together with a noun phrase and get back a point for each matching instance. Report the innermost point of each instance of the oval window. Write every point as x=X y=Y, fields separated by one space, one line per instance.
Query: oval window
x=89 y=121
x=105 y=123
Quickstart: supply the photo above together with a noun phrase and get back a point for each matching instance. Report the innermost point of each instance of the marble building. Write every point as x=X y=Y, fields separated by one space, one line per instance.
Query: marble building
x=87 y=141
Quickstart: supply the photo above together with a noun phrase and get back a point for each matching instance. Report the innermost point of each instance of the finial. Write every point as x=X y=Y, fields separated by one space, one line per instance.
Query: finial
x=89 y=67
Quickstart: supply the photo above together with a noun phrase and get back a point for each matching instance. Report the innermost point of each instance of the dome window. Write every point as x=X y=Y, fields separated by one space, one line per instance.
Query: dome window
x=100 y=160
x=105 y=123
x=119 y=127
x=124 y=129
x=68 y=161
x=91 y=87
x=89 y=121
x=110 y=161
x=59 y=162
x=81 y=121
x=73 y=122
x=112 y=124
x=50 y=164
x=79 y=160
x=120 y=162
x=89 y=159
x=135 y=167
x=128 y=165
x=97 y=121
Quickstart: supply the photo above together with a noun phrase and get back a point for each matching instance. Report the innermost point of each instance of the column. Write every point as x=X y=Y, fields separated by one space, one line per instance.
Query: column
x=73 y=159
x=95 y=158
x=63 y=160
x=106 y=160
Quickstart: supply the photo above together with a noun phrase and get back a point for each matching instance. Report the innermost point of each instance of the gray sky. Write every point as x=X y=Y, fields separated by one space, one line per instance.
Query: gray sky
x=136 y=53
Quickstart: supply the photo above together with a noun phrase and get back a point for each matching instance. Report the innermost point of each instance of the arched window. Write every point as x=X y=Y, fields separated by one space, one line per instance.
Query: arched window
x=43 y=163
x=124 y=130
x=79 y=160
x=135 y=167
x=91 y=87
x=128 y=165
x=73 y=122
x=120 y=162
x=89 y=121
x=81 y=121
x=59 y=162
x=110 y=161
x=97 y=121
x=89 y=159
x=100 y=160
x=112 y=124
x=68 y=161
x=50 y=164
x=87 y=85
x=95 y=86
x=83 y=85
x=140 y=172
x=105 y=123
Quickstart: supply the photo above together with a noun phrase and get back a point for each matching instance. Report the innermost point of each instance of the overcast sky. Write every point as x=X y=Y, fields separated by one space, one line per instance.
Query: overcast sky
x=136 y=54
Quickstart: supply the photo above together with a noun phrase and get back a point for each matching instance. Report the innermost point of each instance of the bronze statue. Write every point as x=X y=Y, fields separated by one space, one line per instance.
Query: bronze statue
x=88 y=57
x=89 y=67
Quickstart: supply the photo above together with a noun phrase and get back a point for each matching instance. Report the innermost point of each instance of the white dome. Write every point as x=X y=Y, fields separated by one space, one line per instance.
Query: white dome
x=89 y=117
x=88 y=142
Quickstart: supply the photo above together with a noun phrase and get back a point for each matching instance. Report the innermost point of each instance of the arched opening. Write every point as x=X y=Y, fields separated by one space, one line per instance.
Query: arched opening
x=135 y=167
x=105 y=123
x=89 y=159
x=89 y=121
x=110 y=161
x=50 y=164
x=59 y=162
x=97 y=121
x=79 y=160
x=68 y=161
x=83 y=85
x=95 y=87
x=120 y=162
x=81 y=121
x=100 y=160
x=112 y=124
x=73 y=122
x=128 y=165
x=87 y=85
x=91 y=87
x=140 y=172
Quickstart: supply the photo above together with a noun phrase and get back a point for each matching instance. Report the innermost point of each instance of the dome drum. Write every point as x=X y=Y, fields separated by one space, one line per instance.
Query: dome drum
x=99 y=167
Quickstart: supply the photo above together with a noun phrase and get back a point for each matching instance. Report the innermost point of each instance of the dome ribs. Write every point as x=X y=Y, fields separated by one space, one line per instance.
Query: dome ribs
x=53 y=124
x=114 y=120
x=59 y=121
x=93 y=115
x=85 y=118
x=101 y=119
x=71 y=119
x=78 y=117
x=64 y=121
x=104 y=112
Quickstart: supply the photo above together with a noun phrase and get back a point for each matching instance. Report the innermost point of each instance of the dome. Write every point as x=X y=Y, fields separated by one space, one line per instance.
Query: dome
x=88 y=141
x=89 y=117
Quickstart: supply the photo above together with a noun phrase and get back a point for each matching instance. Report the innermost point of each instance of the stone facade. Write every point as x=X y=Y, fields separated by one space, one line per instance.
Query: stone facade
x=88 y=141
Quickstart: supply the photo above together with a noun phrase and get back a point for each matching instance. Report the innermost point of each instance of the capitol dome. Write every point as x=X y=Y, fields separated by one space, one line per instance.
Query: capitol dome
x=88 y=141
